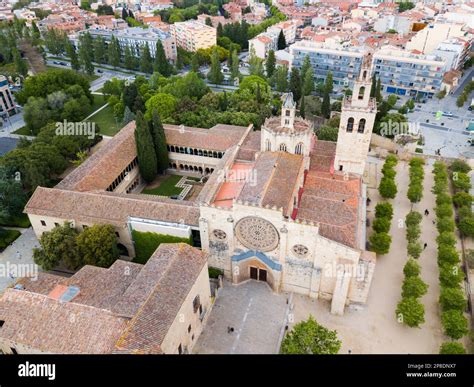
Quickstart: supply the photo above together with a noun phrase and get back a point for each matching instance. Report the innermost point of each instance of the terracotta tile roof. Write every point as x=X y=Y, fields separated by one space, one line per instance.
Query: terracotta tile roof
x=156 y=296
x=218 y=138
x=125 y=308
x=103 y=167
x=276 y=176
x=322 y=156
x=250 y=146
x=42 y=323
x=91 y=207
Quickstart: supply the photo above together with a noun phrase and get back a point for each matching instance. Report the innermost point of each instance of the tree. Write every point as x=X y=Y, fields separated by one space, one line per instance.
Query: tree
x=129 y=59
x=147 y=162
x=86 y=52
x=100 y=50
x=234 y=68
x=255 y=64
x=328 y=85
x=165 y=104
x=281 y=79
x=378 y=91
x=413 y=232
x=461 y=199
x=159 y=141
x=295 y=84
x=36 y=114
x=415 y=193
x=195 y=64
x=161 y=62
x=460 y=166
x=129 y=95
x=414 y=287
x=281 y=44
x=124 y=13
x=20 y=64
x=58 y=246
x=387 y=188
x=450 y=275
x=414 y=249
x=308 y=337
x=215 y=72
x=447 y=254
x=128 y=116
x=328 y=133
x=380 y=242
x=411 y=268
x=146 y=65
x=381 y=225
x=452 y=348
x=12 y=194
x=410 y=312
x=114 y=52
x=445 y=225
x=447 y=239
x=97 y=245
x=308 y=82
x=373 y=86
x=384 y=210
x=454 y=323
x=270 y=64
x=466 y=226
x=326 y=105
x=452 y=299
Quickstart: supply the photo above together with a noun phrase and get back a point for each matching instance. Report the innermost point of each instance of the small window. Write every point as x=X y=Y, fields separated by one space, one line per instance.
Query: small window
x=117 y=234
x=43 y=223
x=189 y=328
x=1 y=323
x=180 y=349
x=350 y=124
x=56 y=224
x=340 y=167
x=14 y=351
x=287 y=113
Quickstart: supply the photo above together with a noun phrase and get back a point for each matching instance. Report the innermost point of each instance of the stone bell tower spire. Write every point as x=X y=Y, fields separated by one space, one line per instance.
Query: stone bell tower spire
x=288 y=111
x=356 y=125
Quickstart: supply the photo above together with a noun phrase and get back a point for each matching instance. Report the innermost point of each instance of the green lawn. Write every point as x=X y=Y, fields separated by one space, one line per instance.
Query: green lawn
x=166 y=188
x=7 y=237
x=99 y=101
x=18 y=221
x=106 y=121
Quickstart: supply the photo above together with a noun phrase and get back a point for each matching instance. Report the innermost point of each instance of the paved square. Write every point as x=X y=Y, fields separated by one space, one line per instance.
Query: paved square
x=256 y=314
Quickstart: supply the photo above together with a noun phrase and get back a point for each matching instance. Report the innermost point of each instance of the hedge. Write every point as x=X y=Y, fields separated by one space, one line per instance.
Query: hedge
x=147 y=242
x=7 y=237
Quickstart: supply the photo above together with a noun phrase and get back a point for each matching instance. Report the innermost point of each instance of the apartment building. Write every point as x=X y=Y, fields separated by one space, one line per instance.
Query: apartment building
x=454 y=51
x=401 y=24
x=289 y=28
x=192 y=35
x=406 y=73
x=263 y=43
x=137 y=37
x=7 y=103
x=431 y=36
x=343 y=62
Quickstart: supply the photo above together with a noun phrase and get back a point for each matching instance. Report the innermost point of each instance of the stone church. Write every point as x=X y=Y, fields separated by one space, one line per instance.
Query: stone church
x=278 y=205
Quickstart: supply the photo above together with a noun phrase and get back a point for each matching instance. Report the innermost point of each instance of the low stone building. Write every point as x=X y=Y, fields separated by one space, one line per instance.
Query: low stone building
x=156 y=308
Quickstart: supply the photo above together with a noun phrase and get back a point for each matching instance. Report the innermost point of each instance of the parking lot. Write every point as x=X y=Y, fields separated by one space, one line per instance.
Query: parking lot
x=255 y=313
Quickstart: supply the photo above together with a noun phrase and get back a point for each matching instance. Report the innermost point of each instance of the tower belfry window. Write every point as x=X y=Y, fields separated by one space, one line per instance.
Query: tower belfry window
x=350 y=124
x=361 y=127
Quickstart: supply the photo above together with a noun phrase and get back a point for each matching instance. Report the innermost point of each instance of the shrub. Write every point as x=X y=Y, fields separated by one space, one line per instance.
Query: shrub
x=444 y=211
x=413 y=233
x=461 y=199
x=460 y=166
x=443 y=198
x=411 y=268
x=387 y=188
x=391 y=160
x=7 y=237
x=452 y=348
x=413 y=218
x=452 y=299
x=384 y=210
x=461 y=181
x=447 y=254
x=466 y=226
x=414 y=249
x=381 y=225
x=380 y=242
x=414 y=287
x=454 y=323
x=450 y=275
x=445 y=225
x=410 y=312
x=446 y=238
x=147 y=242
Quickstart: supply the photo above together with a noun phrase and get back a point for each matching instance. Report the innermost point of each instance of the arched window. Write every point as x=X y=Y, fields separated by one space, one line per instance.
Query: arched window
x=283 y=147
x=361 y=92
x=361 y=127
x=268 y=145
x=350 y=124
x=365 y=74
x=299 y=149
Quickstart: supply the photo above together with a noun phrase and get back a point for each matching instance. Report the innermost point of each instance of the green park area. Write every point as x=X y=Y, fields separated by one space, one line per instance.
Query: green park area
x=167 y=187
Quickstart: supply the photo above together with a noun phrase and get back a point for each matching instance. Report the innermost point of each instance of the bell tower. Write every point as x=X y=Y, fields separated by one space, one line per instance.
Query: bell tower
x=356 y=125
x=288 y=111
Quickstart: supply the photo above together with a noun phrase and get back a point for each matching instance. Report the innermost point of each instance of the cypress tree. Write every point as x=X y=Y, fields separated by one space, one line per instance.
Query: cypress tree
x=302 y=107
x=373 y=86
x=326 y=105
x=146 y=65
x=281 y=41
x=146 y=155
x=270 y=64
x=295 y=84
x=159 y=141
x=161 y=63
